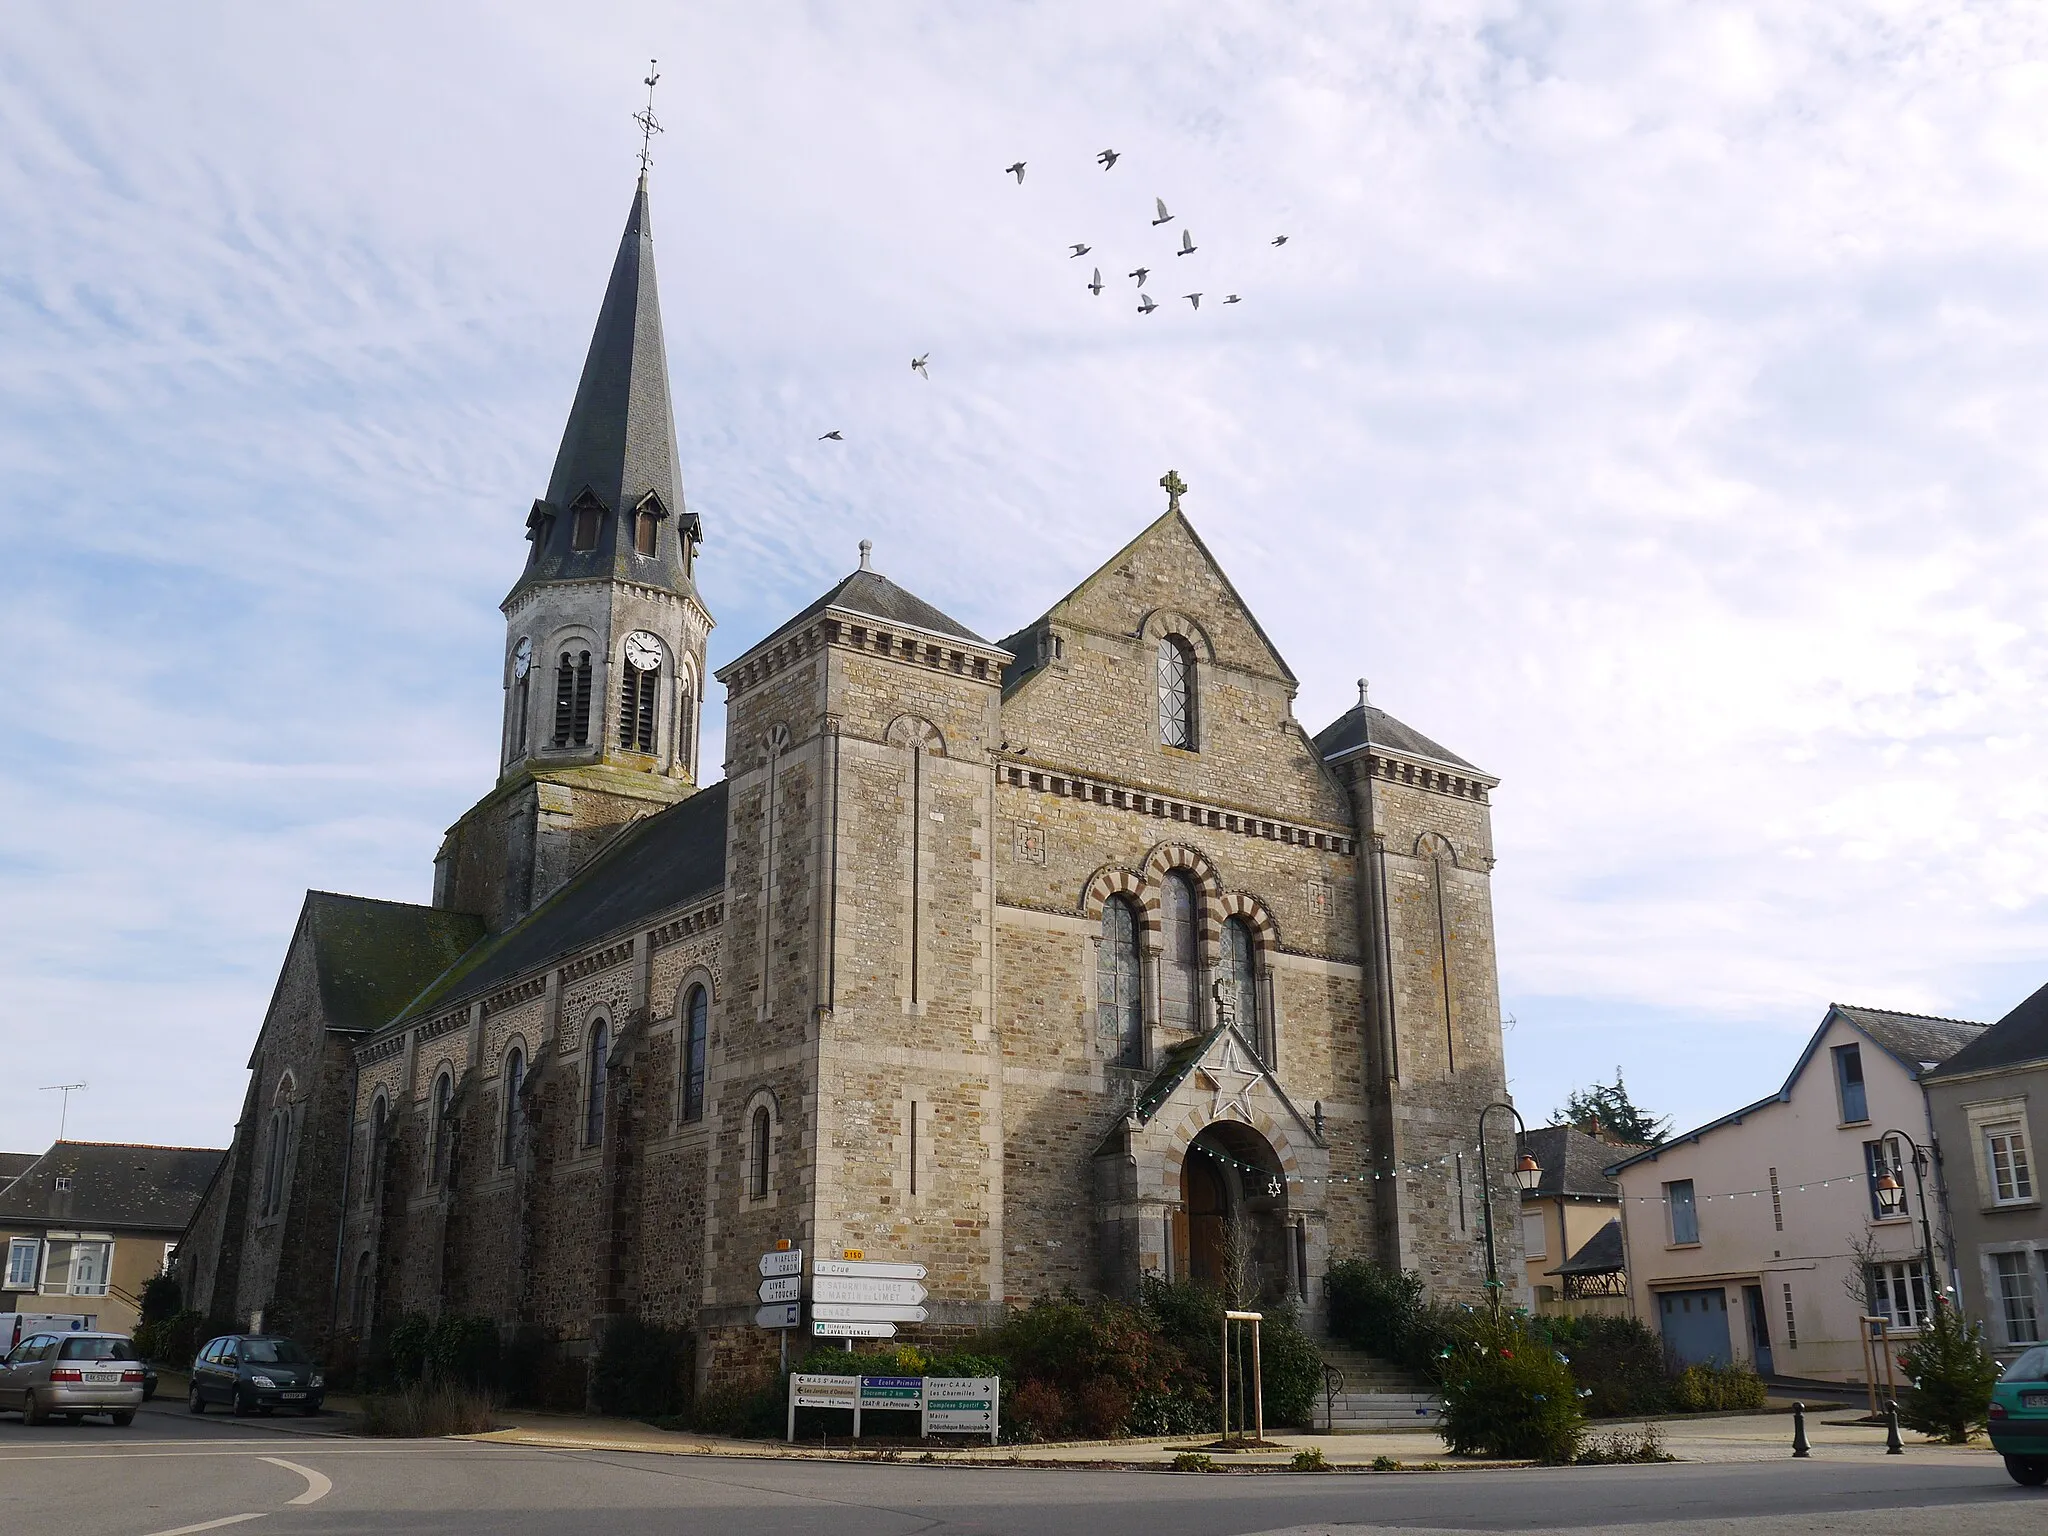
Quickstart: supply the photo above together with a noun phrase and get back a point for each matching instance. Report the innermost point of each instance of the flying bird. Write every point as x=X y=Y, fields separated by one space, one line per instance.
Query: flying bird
x=1145 y=304
x=1016 y=170
x=1095 y=283
x=833 y=436
x=1279 y=239
x=1194 y=299
x=1164 y=216
x=1187 y=244
x=1231 y=298
x=919 y=362
x=1141 y=274
x=1108 y=158
x=1079 y=250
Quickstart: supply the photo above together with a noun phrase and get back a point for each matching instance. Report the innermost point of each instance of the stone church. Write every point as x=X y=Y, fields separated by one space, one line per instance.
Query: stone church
x=1048 y=962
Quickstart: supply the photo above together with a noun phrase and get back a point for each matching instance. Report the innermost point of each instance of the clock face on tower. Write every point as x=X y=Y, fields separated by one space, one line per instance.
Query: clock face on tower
x=643 y=651
x=522 y=657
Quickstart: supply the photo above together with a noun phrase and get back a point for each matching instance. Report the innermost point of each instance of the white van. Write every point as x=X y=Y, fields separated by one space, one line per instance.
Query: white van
x=16 y=1326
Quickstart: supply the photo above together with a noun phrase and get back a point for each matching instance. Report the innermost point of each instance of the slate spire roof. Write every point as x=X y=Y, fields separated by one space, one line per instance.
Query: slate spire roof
x=620 y=442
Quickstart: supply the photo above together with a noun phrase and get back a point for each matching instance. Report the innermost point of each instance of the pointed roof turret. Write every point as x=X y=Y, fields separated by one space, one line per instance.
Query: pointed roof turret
x=619 y=447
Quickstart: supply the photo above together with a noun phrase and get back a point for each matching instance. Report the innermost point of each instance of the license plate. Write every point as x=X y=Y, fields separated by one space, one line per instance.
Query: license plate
x=98 y=1378
x=291 y=1397
x=2034 y=1399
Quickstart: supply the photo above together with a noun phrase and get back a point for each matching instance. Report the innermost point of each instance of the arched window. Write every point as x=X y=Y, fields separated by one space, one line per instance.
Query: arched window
x=373 y=1161
x=1179 y=962
x=593 y=1112
x=696 y=1026
x=1119 y=994
x=276 y=1151
x=572 y=699
x=1176 y=692
x=444 y=1124
x=515 y=1079
x=757 y=1154
x=1241 y=982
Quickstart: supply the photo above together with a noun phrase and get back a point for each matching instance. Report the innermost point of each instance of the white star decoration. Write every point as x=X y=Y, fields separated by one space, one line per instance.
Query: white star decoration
x=1229 y=1069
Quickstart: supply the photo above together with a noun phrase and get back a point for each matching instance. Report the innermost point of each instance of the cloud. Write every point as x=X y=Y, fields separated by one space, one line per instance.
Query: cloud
x=1644 y=402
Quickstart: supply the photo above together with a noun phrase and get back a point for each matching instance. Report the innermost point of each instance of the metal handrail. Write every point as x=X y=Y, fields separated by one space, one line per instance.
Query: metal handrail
x=1333 y=1383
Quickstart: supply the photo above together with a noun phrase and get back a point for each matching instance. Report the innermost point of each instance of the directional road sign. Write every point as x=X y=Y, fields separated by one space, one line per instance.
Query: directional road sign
x=899 y=1293
x=865 y=1312
x=783 y=1288
x=869 y=1269
x=782 y=1314
x=787 y=1261
x=846 y=1330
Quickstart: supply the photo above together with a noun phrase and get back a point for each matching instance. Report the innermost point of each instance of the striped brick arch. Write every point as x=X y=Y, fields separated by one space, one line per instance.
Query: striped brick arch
x=1113 y=880
x=1265 y=932
x=1208 y=888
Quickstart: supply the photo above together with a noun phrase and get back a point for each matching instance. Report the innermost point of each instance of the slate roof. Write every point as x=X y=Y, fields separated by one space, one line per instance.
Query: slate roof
x=151 y=1189
x=1363 y=724
x=13 y=1163
x=871 y=593
x=1600 y=1254
x=661 y=861
x=373 y=957
x=620 y=439
x=1918 y=1040
x=1573 y=1163
x=2021 y=1036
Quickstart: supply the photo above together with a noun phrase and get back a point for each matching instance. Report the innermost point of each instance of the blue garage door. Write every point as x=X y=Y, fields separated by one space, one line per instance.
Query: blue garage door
x=1695 y=1325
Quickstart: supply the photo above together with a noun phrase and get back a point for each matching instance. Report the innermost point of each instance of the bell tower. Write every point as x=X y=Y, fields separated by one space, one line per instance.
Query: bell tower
x=604 y=629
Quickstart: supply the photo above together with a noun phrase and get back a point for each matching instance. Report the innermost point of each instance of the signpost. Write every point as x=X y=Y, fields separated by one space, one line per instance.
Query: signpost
x=784 y=1261
x=823 y=1392
x=871 y=1269
x=864 y=1312
x=962 y=1405
x=782 y=1287
x=781 y=1314
x=896 y=1293
x=858 y=1298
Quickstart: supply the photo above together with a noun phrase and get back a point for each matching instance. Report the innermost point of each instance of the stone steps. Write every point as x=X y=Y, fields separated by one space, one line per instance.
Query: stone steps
x=1375 y=1395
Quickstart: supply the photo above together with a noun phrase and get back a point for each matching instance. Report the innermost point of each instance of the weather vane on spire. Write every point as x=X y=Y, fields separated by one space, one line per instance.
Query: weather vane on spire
x=648 y=126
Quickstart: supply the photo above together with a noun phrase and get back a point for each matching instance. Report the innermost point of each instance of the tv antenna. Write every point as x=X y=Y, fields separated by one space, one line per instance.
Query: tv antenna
x=64 y=1114
x=649 y=127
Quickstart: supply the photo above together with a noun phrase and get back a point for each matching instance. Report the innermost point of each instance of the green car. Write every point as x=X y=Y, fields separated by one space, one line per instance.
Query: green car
x=2019 y=1418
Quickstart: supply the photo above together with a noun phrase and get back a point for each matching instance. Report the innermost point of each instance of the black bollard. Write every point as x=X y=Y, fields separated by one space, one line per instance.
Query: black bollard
x=1800 y=1448
x=1893 y=1446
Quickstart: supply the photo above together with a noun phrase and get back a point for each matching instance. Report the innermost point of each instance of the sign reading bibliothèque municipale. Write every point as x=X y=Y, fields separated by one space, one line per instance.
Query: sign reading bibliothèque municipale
x=945 y=1405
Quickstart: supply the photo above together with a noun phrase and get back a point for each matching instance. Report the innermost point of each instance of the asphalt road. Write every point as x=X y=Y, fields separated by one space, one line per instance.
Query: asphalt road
x=170 y=1473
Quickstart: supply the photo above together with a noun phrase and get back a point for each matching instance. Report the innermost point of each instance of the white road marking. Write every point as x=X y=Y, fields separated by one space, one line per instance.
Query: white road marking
x=318 y=1486
x=208 y=1525
x=325 y=1450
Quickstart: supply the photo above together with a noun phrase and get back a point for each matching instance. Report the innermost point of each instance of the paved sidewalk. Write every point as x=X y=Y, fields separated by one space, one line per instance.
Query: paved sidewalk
x=1730 y=1438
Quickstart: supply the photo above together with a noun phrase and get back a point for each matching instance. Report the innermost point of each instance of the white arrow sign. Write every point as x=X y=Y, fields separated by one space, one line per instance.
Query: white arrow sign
x=843 y=1330
x=900 y=1293
x=784 y=1288
x=788 y=1261
x=870 y=1269
x=856 y=1311
x=783 y=1315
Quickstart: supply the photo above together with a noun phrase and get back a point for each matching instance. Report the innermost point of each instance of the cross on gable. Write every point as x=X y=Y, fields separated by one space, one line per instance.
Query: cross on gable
x=1175 y=488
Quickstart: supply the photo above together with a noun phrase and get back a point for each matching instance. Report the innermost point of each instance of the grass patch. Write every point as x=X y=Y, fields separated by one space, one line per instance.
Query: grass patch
x=425 y=1411
x=1624 y=1447
x=1310 y=1459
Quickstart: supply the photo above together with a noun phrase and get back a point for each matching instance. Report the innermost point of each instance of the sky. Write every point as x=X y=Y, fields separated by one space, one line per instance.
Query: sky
x=1641 y=402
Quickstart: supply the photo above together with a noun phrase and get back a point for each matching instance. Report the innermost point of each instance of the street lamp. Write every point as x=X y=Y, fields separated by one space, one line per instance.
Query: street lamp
x=1891 y=1201
x=1528 y=1174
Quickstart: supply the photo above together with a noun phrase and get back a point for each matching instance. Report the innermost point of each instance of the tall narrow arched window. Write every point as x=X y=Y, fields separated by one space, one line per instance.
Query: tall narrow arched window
x=359 y=1300
x=593 y=1110
x=696 y=1027
x=276 y=1151
x=1176 y=692
x=373 y=1160
x=1179 y=957
x=515 y=1079
x=1119 y=992
x=757 y=1154
x=572 y=699
x=1241 y=979
x=638 y=679
x=444 y=1125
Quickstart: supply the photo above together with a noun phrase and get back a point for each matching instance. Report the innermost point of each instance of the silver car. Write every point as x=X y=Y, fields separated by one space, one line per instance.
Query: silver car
x=68 y=1375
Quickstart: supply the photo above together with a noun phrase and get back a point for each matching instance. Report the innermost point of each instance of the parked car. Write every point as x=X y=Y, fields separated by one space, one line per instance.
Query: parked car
x=2019 y=1418
x=248 y=1373
x=69 y=1375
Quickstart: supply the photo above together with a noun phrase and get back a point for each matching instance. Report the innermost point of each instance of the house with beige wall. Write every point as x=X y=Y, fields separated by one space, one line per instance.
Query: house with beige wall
x=1565 y=1218
x=1987 y=1106
x=1759 y=1238
x=86 y=1225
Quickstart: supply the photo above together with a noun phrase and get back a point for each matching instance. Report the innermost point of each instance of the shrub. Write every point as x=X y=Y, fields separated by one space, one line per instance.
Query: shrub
x=1508 y=1393
x=441 y=1408
x=1039 y=1411
x=161 y=1298
x=1310 y=1459
x=1193 y=1461
x=464 y=1350
x=642 y=1369
x=1617 y=1362
x=173 y=1340
x=1104 y=1409
x=1952 y=1375
x=1709 y=1388
x=751 y=1408
x=1385 y=1464
x=1373 y=1306
x=1625 y=1447
x=1189 y=1316
x=1068 y=1344
x=405 y=1348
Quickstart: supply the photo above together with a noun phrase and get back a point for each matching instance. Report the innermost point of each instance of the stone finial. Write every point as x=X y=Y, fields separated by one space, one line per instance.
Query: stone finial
x=1175 y=488
x=1361 y=693
x=867 y=548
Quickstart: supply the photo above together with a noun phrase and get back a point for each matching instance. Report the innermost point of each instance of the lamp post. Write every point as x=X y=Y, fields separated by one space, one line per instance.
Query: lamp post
x=1891 y=1199
x=1528 y=1174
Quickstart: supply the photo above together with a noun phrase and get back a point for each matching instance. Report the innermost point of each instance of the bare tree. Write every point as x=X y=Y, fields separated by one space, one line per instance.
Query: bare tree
x=1240 y=1259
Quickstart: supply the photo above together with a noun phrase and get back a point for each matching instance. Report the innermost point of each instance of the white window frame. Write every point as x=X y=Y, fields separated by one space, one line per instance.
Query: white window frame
x=2017 y=1186
x=1895 y=1280
x=1996 y=1293
x=28 y=1277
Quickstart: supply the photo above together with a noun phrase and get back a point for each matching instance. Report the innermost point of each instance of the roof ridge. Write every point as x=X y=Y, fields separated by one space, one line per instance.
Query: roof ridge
x=131 y=1146
x=1900 y=1013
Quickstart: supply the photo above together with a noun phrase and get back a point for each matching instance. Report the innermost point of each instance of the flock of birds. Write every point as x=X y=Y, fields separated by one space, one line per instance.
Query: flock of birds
x=1107 y=159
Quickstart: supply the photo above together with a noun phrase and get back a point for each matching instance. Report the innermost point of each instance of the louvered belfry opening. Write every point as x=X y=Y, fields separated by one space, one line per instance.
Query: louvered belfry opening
x=572 y=699
x=636 y=708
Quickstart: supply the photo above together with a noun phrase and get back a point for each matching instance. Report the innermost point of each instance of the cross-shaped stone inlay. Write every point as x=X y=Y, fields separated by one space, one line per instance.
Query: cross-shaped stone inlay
x=1175 y=488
